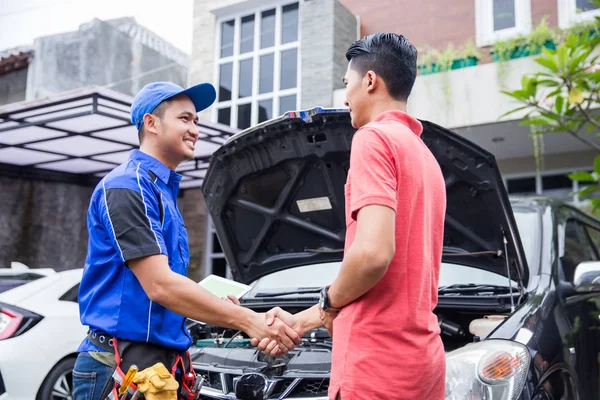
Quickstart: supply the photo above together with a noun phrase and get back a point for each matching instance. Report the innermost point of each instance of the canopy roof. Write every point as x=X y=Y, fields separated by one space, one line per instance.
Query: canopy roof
x=79 y=136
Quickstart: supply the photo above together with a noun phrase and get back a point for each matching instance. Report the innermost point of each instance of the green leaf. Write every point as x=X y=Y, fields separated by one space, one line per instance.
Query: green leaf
x=558 y=105
x=520 y=95
x=548 y=82
x=582 y=176
x=540 y=120
x=597 y=164
x=576 y=60
x=512 y=111
x=590 y=128
x=548 y=52
x=588 y=190
x=548 y=62
x=571 y=41
x=563 y=55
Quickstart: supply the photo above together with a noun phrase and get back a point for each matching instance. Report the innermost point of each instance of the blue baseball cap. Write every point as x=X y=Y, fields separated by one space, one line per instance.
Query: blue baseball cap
x=151 y=95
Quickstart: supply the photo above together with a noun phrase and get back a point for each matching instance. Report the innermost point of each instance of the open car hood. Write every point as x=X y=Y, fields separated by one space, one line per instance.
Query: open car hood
x=275 y=193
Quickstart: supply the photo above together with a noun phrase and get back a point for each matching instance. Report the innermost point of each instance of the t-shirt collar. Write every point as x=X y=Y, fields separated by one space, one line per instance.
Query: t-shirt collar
x=396 y=115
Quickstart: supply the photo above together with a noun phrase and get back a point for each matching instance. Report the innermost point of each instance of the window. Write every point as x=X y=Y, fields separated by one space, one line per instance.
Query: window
x=257 y=65
x=501 y=19
x=215 y=259
x=573 y=11
x=554 y=184
x=577 y=249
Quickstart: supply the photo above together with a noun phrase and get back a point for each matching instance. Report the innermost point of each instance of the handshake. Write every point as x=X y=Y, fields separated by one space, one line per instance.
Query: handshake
x=277 y=331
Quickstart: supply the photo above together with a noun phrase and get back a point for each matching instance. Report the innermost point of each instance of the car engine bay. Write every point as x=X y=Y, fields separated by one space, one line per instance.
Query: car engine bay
x=223 y=356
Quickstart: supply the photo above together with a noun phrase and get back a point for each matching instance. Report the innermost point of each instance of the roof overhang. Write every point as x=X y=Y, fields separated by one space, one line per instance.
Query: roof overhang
x=79 y=136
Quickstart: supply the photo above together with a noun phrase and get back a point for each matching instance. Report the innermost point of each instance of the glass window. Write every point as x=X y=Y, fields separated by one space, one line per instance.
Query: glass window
x=289 y=24
x=585 y=5
x=557 y=186
x=227 y=38
x=244 y=116
x=267 y=29
x=224 y=116
x=560 y=181
x=287 y=103
x=265 y=110
x=266 y=73
x=499 y=20
x=244 y=70
x=594 y=236
x=216 y=245
x=245 y=80
x=289 y=69
x=225 y=76
x=577 y=249
x=219 y=267
x=521 y=185
x=504 y=14
x=247 y=34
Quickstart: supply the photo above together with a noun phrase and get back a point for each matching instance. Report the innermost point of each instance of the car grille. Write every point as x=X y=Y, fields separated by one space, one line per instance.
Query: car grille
x=300 y=387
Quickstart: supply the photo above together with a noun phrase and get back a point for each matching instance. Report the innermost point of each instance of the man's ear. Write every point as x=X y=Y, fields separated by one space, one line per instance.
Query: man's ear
x=373 y=81
x=151 y=124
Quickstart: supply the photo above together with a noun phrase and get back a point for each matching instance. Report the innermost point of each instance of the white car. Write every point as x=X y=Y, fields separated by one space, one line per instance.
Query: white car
x=40 y=331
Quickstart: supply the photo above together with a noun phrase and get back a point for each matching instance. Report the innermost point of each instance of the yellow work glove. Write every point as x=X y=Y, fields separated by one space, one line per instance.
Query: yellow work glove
x=156 y=383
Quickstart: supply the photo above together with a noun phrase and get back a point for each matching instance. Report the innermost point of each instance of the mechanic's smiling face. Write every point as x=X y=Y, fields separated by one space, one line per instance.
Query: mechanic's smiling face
x=176 y=132
x=357 y=96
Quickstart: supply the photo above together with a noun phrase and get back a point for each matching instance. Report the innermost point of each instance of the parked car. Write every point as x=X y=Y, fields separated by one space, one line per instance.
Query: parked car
x=39 y=332
x=519 y=301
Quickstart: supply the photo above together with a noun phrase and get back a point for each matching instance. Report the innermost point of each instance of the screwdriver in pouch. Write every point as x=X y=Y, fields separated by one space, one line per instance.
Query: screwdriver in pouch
x=128 y=379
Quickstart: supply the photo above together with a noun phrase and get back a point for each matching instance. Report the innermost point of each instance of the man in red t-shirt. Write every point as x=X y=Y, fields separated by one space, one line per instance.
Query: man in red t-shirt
x=379 y=310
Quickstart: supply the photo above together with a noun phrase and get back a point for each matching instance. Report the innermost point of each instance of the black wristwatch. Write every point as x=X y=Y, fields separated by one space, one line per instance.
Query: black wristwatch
x=324 y=301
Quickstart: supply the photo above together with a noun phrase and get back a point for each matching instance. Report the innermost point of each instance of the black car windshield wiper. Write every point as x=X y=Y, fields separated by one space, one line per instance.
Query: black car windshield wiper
x=287 y=292
x=467 y=288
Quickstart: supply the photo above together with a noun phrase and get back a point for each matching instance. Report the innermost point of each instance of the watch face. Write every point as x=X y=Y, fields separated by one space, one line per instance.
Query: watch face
x=322 y=299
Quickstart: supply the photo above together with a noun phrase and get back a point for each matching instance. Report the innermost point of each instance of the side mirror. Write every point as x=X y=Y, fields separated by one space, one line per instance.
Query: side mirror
x=587 y=277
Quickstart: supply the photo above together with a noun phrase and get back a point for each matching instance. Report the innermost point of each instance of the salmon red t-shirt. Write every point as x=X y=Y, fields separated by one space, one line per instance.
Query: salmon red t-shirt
x=386 y=344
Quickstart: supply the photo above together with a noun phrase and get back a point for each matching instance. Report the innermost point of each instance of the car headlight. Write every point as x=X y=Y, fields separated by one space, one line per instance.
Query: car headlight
x=488 y=370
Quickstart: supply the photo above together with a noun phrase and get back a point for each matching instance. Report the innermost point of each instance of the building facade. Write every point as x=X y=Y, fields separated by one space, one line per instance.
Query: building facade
x=270 y=57
x=71 y=60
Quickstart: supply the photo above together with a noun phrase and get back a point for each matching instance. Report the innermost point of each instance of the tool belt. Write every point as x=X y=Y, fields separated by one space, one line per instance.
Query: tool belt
x=145 y=355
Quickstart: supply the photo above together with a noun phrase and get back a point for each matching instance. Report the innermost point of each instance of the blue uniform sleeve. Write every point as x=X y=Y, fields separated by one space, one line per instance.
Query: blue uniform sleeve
x=134 y=216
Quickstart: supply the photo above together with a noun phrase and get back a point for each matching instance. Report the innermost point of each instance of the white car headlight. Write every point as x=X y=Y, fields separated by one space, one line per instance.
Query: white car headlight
x=488 y=370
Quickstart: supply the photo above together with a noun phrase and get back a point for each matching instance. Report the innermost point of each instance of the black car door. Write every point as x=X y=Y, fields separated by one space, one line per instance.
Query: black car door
x=582 y=340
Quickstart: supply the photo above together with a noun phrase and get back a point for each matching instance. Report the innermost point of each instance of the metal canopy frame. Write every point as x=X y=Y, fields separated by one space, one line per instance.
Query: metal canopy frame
x=79 y=136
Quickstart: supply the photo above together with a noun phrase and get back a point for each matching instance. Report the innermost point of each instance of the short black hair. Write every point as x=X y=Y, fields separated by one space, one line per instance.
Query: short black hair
x=159 y=112
x=389 y=55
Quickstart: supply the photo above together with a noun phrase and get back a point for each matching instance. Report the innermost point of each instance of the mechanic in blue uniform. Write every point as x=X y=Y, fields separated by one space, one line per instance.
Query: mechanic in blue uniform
x=134 y=286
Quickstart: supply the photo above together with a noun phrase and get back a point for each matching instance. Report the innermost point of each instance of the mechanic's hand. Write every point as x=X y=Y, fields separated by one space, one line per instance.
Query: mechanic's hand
x=327 y=318
x=270 y=347
x=278 y=331
x=232 y=299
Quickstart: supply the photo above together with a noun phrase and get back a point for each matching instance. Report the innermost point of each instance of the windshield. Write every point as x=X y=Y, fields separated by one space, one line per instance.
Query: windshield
x=319 y=275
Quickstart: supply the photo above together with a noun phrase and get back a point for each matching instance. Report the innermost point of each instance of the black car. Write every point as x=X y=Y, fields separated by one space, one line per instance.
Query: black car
x=519 y=303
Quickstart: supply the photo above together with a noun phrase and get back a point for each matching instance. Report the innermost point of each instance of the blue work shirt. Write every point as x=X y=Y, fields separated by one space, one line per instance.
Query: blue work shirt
x=132 y=214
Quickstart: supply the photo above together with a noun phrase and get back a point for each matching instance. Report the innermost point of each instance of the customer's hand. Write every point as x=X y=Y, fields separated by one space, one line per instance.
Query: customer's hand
x=327 y=318
x=278 y=331
x=268 y=346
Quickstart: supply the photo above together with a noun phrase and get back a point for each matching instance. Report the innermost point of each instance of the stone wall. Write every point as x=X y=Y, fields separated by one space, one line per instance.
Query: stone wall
x=43 y=224
x=13 y=86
